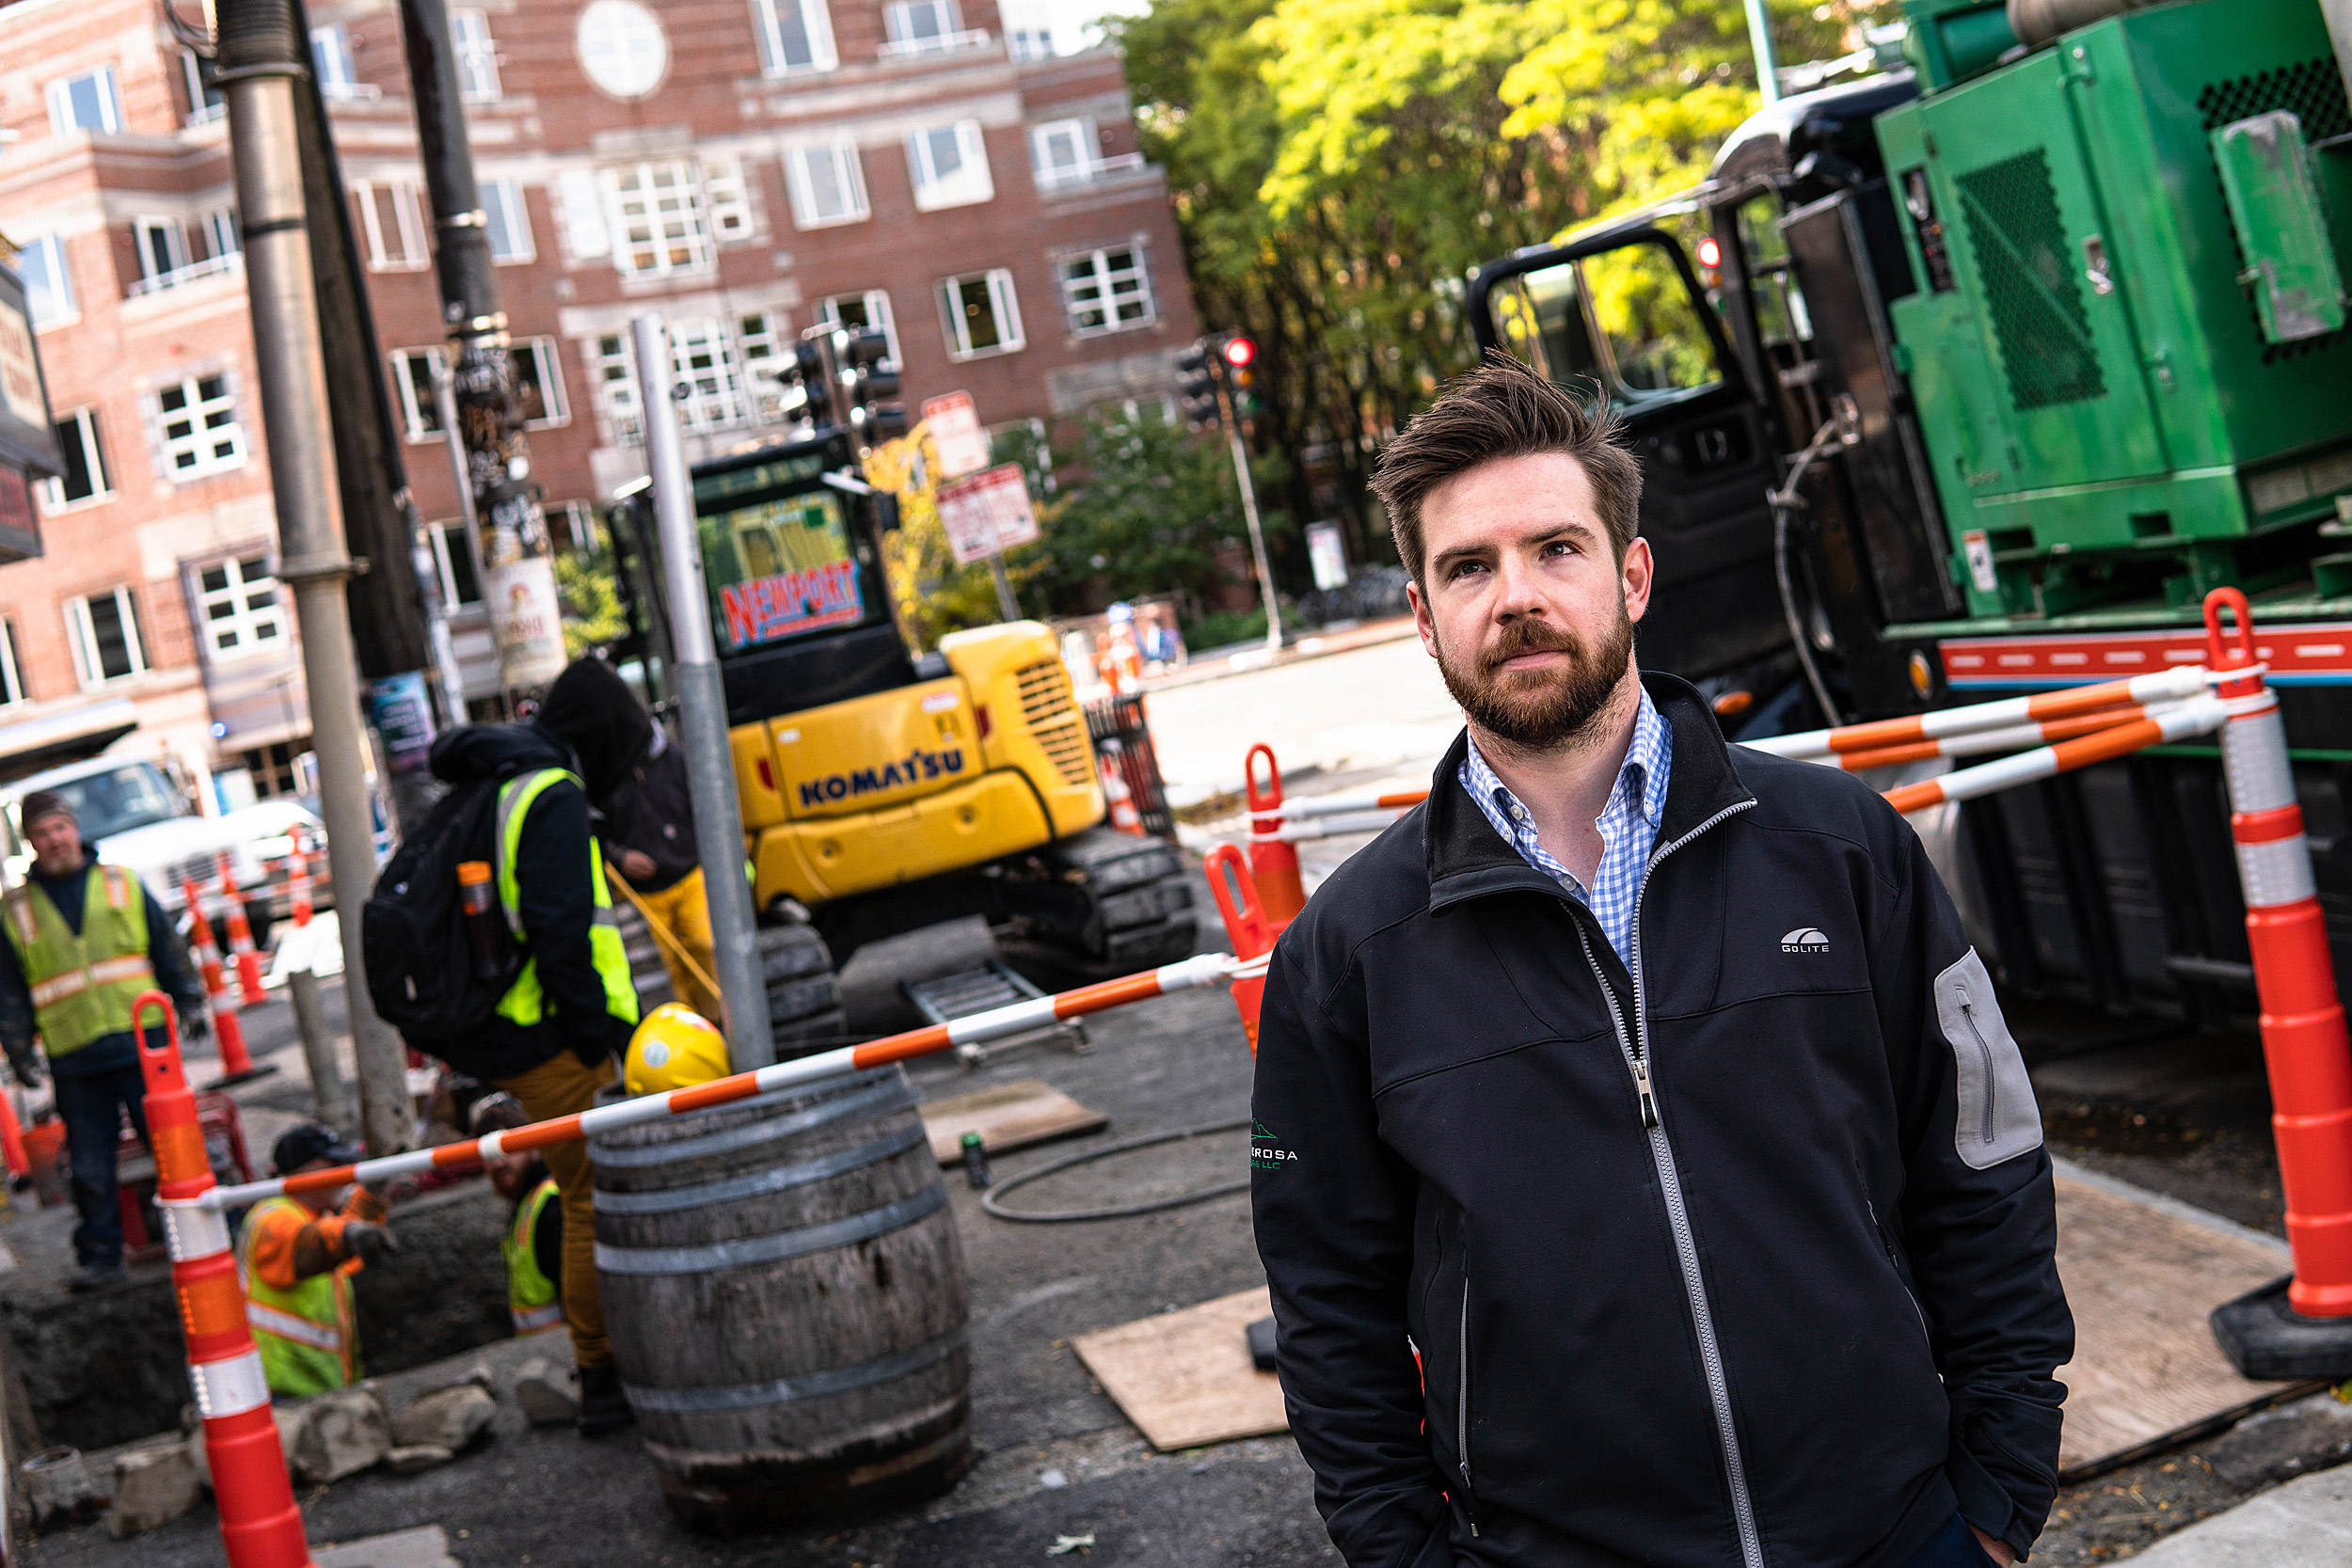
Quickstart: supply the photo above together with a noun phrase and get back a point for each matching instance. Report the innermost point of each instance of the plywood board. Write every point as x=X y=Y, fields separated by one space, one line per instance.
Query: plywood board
x=1011 y=1115
x=2140 y=1275
x=1185 y=1378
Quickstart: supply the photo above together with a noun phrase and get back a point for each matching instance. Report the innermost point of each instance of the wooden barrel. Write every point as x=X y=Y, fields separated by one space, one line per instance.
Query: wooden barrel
x=785 y=1295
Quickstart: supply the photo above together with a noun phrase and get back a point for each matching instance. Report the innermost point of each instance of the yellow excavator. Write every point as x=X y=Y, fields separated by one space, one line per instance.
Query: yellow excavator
x=882 y=792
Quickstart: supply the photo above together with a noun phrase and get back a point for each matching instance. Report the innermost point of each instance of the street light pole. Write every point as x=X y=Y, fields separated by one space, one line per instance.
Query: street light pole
x=702 y=712
x=259 y=60
x=1249 y=511
x=1760 y=41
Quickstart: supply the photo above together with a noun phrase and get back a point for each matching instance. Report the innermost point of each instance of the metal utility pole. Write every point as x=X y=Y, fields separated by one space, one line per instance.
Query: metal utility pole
x=702 y=712
x=1250 y=511
x=1760 y=41
x=260 y=59
x=517 y=577
x=1007 y=606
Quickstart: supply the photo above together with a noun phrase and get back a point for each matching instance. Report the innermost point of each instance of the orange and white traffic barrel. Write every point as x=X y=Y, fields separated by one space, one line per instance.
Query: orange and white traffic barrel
x=1110 y=762
x=1273 y=860
x=298 y=878
x=236 y=1061
x=241 y=938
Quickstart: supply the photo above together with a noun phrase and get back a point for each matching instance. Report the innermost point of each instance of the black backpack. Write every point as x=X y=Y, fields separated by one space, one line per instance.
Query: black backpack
x=421 y=968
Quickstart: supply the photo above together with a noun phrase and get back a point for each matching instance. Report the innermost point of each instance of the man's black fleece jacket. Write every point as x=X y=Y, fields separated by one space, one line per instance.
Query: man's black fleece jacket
x=1792 y=1310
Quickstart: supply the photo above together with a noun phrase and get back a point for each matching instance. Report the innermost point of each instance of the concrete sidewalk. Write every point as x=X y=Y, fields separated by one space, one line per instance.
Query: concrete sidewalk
x=1240 y=658
x=2304 y=1524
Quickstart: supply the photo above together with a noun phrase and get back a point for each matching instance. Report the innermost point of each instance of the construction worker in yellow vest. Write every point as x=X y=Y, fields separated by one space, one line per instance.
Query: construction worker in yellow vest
x=297 y=1255
x=534 y=1243
x=552 y=1039
x=84 y=940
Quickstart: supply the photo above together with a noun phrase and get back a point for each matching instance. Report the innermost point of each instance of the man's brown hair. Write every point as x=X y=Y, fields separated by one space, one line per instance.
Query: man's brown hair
x=1503 y=409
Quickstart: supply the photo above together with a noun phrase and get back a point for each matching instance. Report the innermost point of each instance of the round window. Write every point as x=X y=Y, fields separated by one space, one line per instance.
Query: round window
x=622 y=47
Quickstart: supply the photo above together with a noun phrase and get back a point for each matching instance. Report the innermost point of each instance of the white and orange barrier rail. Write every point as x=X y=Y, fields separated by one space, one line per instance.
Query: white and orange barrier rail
x=1209 y=969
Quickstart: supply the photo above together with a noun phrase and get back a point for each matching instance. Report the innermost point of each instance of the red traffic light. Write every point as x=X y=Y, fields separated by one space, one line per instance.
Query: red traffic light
x=1239 y=352
x=1710 y=252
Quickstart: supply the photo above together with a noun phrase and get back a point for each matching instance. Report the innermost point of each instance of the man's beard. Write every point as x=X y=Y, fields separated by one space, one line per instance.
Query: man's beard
x=1546 y=707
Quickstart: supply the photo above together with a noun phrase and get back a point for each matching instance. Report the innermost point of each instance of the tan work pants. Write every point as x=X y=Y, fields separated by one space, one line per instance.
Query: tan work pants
x=685 y=911
x=560 y=1086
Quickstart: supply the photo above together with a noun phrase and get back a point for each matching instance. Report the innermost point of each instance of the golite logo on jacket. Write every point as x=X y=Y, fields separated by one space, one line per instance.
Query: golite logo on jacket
x=915 y=767
x=1804 y=939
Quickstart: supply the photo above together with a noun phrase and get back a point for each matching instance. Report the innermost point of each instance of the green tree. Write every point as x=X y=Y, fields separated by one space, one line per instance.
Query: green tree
x=591 y=604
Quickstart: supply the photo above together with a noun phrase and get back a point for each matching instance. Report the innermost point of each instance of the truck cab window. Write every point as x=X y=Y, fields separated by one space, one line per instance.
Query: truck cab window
x=1623 y=319
x=1781 y=318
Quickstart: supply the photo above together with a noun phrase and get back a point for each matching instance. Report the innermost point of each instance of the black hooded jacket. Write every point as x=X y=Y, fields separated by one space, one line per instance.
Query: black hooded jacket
x=556 y=902
x=1792 y=1309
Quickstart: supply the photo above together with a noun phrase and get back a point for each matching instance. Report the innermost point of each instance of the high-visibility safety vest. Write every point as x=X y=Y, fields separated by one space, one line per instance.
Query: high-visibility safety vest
x=83 y=984
x=524 y=1003
x=308 y=1336
x=530 y=1294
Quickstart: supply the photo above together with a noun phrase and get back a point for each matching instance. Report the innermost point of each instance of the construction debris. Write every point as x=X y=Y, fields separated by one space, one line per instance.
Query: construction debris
x=341 y=1434
x=2296 y=1439
x=59 y=1489
x=450 y=1419
x=153 y=1486
x=547 y=1394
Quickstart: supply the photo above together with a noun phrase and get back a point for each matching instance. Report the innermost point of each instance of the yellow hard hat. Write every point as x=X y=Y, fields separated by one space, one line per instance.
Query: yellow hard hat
x=674 y=1048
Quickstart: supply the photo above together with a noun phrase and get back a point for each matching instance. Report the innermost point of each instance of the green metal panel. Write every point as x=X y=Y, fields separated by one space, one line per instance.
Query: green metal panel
x=2273 y=193
x=1956 y=396
x=1950 y=41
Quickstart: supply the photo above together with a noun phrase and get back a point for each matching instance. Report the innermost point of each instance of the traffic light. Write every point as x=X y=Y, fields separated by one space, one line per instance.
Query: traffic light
x=1241 y=375
x=1196 y=386
x=807 y=394
x=869 y=386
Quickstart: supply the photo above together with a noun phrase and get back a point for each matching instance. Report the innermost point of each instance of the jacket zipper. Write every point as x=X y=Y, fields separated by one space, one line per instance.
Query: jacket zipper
x=1461 y=1408
x=1636 y=1052
x=1984 y=1052
x=1887 y=1242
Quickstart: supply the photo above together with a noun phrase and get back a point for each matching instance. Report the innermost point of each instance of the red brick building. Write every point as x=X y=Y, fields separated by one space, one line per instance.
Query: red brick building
x=745 y=166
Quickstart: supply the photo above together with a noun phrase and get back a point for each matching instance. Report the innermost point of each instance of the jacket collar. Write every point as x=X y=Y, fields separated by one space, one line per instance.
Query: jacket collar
x=1468 y=859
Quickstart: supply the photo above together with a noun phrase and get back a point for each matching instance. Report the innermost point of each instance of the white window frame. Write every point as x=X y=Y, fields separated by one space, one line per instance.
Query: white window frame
x=876 y=304
x=84 y=424
x=406 y=198
x=967 y=186
x=1004 y=303
x=949 y=31
x=332 y=64
x=173 y=235
x=60 y=94
x=849 y=179
x=197 y=443
x=614 y=365
x=762 y=342
x=726 y=199
x=223 y=235
x=56 y=282
x=1084 y=142
x=470 y=40
x=419 y=409
x=82 y=635
x=204 y=104
x=506 y=212
x=815 y=25
x=1023 y=44
x=12 y=673
x=1102 y=280
x=686 y=226
x=448 y=540
x=548 y=367
x=258 y=631
x=712 y=392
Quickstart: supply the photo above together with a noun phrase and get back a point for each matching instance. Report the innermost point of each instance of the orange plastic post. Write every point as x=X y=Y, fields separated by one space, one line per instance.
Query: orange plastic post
x=261 y=1526
x=1247 y=926
x=13 y=1137
x=1272 y=861
x=298 y=879
x=241 y=938
x=236 y=1061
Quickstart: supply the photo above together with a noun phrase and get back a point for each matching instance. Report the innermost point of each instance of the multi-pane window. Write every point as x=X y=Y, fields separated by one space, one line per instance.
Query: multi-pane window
x=869 y=311
x=222 y=236
x=330 y=58
x=11 y=672
x=614 y=372
x=198 y=77
x=1029 y=43
x=277 y=770
x=725 y=199
x=87 y=102
x=237 y=611
x=794 y=36
x=922 y=26
x=413 y=373
x=1062 y=151
x=201 y=432
x=657 y=216
x=84 y=477
x=712 y=366
x=162 y=246
x=391 y=219
x=827 y=185
x=949 y=166
x=708 y=382
x=103 y=630
x=477 y=55
x=1107 y=290
x=509 y=221
x=48 y=288
x=539 y=383
x=759 y=345
x=454 y=558
x=981 y=314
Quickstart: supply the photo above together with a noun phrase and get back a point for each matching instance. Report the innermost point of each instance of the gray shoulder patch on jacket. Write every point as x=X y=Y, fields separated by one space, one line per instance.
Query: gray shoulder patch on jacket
x=1997 y=1118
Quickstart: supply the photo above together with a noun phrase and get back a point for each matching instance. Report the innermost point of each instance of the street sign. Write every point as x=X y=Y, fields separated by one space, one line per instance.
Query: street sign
x=987 y=514
x=956 y=434
x=1327 y=553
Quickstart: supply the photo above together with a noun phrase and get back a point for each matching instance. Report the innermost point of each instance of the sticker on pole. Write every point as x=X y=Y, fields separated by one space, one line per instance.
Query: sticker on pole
x=1978 y=548
x=526 y=620
x=987 y=514
x=956 y=435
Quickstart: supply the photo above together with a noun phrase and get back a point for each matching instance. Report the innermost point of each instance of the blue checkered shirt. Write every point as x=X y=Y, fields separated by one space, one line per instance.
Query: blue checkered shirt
x=1627 y=824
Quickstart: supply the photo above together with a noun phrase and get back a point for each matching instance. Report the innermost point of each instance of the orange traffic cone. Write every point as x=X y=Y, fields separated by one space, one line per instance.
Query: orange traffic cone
x=236 y=1062
x=13 y=1137
x=241 y=938
x=1116 y=794
x=1272 y=861
x=298 y=880
x=1246 y=925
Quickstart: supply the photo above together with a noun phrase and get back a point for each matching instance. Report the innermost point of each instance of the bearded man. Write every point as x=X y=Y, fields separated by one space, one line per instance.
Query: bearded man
x=1642 y=1167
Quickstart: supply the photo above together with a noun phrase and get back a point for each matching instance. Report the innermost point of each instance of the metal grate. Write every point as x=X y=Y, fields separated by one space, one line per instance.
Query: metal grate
x=1120 y=731
x=2313 y=92
x=2030 y=282
x=1051 y=712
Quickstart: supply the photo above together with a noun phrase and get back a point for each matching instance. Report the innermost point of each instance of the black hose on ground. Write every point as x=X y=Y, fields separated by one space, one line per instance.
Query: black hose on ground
x=990 y=1200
